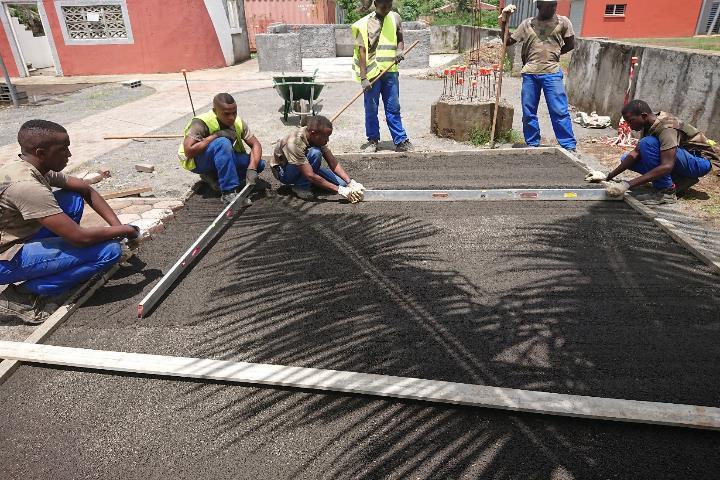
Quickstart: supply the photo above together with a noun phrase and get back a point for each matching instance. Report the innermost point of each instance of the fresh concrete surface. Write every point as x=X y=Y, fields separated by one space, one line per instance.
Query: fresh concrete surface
x=585 y=298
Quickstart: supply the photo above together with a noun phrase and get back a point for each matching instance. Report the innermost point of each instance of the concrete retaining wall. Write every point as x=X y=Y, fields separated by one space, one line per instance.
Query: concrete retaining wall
x=419 y=57
x=682 y=82
x=279 y=52
x=457 y=38
x=344 y=44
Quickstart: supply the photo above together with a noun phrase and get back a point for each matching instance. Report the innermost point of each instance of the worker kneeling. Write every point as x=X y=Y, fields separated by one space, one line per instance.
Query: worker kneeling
x=297 y=161
x=671 y=154
x=44 y=252
x=213 y=147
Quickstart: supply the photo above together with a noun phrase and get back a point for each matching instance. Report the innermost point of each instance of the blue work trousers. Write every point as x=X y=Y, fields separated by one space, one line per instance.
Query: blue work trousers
x=221 y=159
x=551 y=84
x=291 y=175
x=49 y=265
x=389 y=87
x=686 y=164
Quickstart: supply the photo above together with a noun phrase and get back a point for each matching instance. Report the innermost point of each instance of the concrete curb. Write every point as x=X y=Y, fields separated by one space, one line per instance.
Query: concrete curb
x=666 y=226
x=76 y=300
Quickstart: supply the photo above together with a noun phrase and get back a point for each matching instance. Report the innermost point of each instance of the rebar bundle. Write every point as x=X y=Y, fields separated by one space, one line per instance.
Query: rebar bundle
x=469 y=83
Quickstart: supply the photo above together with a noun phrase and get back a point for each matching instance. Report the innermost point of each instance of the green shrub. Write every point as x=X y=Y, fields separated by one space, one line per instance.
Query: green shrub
x=481 y=136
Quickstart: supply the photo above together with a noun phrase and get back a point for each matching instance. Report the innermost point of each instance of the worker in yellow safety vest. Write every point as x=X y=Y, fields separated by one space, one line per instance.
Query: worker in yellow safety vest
x=378 y=43
x=213 y=147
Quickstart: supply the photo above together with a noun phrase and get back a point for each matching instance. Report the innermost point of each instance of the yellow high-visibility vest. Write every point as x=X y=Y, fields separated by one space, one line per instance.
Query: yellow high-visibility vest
x=385 y=52
x=210 y=119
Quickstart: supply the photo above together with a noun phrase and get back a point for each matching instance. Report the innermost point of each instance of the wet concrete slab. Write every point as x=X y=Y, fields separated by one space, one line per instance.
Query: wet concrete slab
x=486 y=169
x=584 y=297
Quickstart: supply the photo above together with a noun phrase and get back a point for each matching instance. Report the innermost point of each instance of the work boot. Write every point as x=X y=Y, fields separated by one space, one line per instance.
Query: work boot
x=372 y=146
x=303 y=193
x=404 y=146
x=26 y=307
x=683 y=183
x=666 y=196
x=211 y=180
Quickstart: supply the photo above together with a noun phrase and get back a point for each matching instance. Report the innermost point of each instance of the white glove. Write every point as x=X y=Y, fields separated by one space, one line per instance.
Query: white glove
x=357 y=186
x=506 y=12
x=350 y=194
x=595 y=176
x=616 y=189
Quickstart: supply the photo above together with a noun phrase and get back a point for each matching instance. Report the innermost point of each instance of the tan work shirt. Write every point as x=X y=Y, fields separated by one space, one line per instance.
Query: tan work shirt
x=673 y=132
x=25 y=196
x=542 y=42
x=374 y=26
x=293 y=149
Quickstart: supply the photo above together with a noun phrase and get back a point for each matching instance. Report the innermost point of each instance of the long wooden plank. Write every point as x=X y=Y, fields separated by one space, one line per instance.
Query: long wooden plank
x=7 y=367
x=369 y=384
x=126 y=192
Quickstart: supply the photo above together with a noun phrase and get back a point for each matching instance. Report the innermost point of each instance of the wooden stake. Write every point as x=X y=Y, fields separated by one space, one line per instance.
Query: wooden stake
x=347 y=105
x=506 y=35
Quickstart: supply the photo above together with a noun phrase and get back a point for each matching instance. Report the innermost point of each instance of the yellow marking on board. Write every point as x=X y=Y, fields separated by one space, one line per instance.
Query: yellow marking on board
x=570 y=195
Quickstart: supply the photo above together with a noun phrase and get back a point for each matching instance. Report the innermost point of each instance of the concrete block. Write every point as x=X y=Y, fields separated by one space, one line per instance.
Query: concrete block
x=317 y=41
x=92 y=219
x=344 y=44
x=419 y=57
x=173 y=205
x=93 y=177
x=278 y=28
x=138 y=209
x=144 y=168
x=149 y=226
x=444 y=39
x=457 y=119
x=279 y=52
x=119 y=203
x=161 y=214
x=126 y=218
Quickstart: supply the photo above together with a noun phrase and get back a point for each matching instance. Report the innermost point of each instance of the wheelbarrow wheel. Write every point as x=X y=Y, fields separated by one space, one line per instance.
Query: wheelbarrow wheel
x=304 y=112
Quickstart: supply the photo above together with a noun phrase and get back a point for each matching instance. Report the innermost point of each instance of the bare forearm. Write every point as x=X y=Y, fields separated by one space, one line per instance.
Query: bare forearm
x=363 y=63
x=653 y=174
x=255 y=156
x=198 y=147
x=85 y=237
x=401 y=46
x=319 y=181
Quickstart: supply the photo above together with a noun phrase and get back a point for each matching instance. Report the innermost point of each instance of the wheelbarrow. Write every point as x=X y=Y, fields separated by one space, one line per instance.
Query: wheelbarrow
x=299 y=94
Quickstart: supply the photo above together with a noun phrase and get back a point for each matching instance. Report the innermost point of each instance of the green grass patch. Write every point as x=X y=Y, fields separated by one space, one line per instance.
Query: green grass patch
x=695 y=43
x=481 y=136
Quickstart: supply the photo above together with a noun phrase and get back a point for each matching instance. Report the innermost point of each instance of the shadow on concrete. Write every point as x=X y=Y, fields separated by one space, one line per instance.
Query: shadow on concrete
x=591 y=302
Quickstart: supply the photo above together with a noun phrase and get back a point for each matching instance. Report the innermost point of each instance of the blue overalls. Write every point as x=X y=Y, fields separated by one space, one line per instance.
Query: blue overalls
x=50 y=265
x=557 y=102
x=389 y=87
x=290 y=174
x=686 y=164
x=221 y=159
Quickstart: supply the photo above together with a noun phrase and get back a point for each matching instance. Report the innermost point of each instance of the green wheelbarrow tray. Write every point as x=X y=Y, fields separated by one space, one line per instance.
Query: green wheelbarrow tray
x=304 y=92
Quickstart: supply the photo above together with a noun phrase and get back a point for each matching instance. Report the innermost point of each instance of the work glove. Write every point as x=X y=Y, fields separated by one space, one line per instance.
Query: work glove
x=506 y=12
x=616 y=189
x=365 y=84
x=357 y=186
x=595 y=176
x=251 y=176
x=350 y=194
x=228 y=133
x=399 y=57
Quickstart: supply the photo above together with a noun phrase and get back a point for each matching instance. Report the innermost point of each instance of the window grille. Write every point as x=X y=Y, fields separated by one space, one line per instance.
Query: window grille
x=711 y=17
x=615 y=10
x=95 y=22
x=233 y=14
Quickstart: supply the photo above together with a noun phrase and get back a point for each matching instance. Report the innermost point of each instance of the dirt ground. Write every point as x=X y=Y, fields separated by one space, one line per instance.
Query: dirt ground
x=702 y=201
